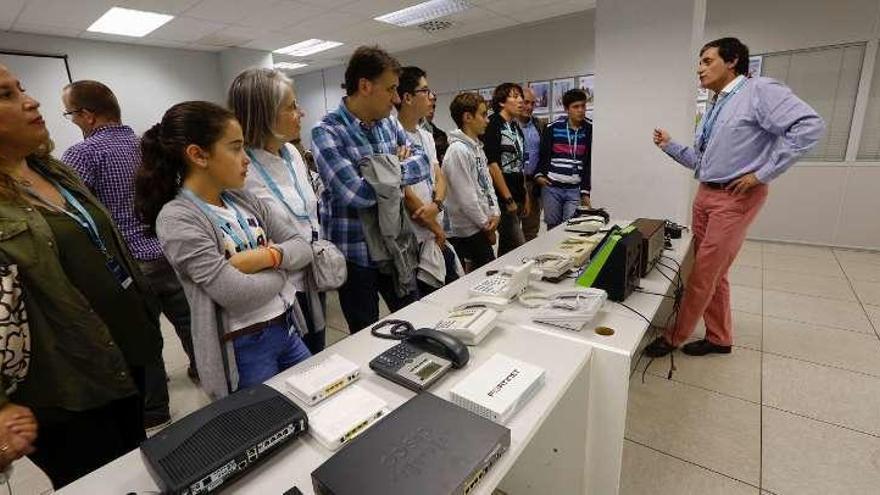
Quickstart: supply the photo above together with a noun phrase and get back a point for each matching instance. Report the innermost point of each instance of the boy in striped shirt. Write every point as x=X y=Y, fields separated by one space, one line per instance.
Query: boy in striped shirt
x=564 y=164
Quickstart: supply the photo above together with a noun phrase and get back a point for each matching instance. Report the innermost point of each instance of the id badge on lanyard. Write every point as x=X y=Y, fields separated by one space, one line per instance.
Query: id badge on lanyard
x=84 y=219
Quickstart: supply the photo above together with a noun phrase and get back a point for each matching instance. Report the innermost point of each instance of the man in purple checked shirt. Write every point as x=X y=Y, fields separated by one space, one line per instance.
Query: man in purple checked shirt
x=106 y=161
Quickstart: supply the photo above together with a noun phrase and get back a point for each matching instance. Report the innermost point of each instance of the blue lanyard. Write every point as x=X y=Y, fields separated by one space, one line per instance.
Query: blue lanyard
x=571 y=147
x=273 y=186
x=223 y=225
x=82 y=217
x=712 y=116
x=359 y=134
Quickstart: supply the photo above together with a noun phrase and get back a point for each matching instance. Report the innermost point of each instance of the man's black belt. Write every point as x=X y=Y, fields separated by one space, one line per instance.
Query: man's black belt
x=717 y=185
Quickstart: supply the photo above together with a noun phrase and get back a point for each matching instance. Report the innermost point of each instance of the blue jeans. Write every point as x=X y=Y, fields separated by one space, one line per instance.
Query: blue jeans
x=560 y=203
x=264 y=354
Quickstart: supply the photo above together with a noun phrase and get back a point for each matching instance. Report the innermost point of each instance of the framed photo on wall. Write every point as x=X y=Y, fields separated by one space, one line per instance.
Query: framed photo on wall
x=587 y=84
x=486 y=93
x=755 y=64
x=560 y=86
x=542 y=96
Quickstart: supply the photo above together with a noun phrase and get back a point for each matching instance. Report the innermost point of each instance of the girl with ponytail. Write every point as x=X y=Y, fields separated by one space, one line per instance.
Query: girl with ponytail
x=233 y=253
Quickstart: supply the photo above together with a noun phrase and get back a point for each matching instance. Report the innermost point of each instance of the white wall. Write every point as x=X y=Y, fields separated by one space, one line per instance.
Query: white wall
x=146 y=80
x=553 y=48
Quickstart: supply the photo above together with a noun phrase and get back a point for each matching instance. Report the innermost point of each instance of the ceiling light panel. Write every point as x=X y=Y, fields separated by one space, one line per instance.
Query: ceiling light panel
x=290 y=65
x=423 y=12
x=128 y=22
x=308 y=47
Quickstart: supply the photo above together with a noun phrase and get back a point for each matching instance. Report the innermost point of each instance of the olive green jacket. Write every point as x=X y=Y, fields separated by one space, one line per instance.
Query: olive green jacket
x=78 y=365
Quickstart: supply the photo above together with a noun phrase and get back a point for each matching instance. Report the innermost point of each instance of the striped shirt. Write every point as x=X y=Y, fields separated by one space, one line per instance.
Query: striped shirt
x=566 y=155
x=339 y=143
x=107 y=161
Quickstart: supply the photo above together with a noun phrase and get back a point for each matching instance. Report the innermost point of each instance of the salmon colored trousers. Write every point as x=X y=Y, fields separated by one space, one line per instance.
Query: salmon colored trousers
x=720 y=221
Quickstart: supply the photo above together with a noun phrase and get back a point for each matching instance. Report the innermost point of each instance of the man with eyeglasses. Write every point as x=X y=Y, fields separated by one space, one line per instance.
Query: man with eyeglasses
x=106 y=161
x=424 y=200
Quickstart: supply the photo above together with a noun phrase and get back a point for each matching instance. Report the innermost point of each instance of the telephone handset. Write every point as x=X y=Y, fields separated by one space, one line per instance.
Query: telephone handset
x=421 y=359
x=554 y=265
x=589 y=224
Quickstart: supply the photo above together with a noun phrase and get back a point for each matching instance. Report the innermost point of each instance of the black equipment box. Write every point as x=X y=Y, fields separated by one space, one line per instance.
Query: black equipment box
x=653 y=241
x=615 y=265
x=427 y=446
x=219 y=442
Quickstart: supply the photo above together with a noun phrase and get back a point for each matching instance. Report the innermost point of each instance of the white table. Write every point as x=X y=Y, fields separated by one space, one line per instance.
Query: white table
x=582 y=402
x=612 y=360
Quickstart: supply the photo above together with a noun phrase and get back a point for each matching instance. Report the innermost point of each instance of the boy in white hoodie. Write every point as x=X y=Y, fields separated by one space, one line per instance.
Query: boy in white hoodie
x=470 y=201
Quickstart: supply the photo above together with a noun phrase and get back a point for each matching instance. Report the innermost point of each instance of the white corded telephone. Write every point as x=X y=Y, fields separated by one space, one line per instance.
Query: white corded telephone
x=500 y=288
x=579 y=248
x=589 y=224
x=470 y=322
x=554 y=264
x=571 y=309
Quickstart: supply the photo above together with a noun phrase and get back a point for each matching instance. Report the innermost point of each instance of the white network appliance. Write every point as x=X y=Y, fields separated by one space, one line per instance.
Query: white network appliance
x=498 y=388
x=345 y=416
x=317 y=382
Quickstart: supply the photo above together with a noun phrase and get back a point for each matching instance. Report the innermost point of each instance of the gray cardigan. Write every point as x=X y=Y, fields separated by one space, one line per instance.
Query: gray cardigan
x=194 y=248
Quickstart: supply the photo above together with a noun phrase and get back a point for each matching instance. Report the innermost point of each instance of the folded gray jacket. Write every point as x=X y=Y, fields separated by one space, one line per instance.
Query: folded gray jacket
x=390 y=240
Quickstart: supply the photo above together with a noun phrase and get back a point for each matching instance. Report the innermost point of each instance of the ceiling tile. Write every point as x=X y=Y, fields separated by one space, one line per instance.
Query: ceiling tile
x=228 y=11
x=163 y=6
x=78 y=14
x=27 y=27
x=274 y=40
x=186 y=29
x=375 y=8
x=330 y=4
x=9 y=10
x=282 y=14
x=552 y=10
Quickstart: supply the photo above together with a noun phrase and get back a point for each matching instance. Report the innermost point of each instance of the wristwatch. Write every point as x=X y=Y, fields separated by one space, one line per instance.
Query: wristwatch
x=508 y=200
x=439 y=204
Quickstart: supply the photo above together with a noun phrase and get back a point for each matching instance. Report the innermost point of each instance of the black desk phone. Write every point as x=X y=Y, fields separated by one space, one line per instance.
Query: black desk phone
x=421 y=359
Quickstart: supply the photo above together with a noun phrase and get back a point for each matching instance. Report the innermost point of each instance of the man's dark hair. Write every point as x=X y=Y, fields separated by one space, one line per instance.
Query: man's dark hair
x=409 y=81
x=368 y=62
x=502 y=92
x=95 y=97
x=573 y=96
x=730 y=49
x=465 y=103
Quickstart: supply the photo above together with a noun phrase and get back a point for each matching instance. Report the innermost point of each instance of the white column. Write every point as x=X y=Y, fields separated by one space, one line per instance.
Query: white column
x=235 y=60
x=646 y=59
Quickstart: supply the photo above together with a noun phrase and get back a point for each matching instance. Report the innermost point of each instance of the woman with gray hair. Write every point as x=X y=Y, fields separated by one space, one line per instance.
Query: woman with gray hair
x=264 y=102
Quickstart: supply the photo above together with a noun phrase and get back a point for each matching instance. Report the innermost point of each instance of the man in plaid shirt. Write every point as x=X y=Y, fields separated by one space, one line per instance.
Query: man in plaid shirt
x=358 y=129
x=106 y=161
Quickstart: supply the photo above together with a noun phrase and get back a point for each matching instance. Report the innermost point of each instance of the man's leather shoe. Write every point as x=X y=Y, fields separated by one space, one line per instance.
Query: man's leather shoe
x=658 y=348
x=703 y=347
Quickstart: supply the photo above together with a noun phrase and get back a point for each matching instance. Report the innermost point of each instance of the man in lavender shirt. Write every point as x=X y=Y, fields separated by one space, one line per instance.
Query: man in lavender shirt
x=752 y=132
x=106 y=161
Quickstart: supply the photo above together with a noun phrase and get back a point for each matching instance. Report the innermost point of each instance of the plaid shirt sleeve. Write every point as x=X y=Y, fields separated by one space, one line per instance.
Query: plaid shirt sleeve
x=338 y=172
x=78 y=158
x=417 y=167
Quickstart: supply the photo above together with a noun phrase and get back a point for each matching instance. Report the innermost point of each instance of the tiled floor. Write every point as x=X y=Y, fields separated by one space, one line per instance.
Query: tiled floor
x=795 y=409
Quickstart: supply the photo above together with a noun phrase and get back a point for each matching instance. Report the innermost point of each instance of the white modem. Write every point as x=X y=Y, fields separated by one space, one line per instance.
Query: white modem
x=345 y=416
x=323 y=379
x=498 y=388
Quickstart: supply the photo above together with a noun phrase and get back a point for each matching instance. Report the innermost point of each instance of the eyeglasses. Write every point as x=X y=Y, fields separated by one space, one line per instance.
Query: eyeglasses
x=427 y=91
x=69 y=114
